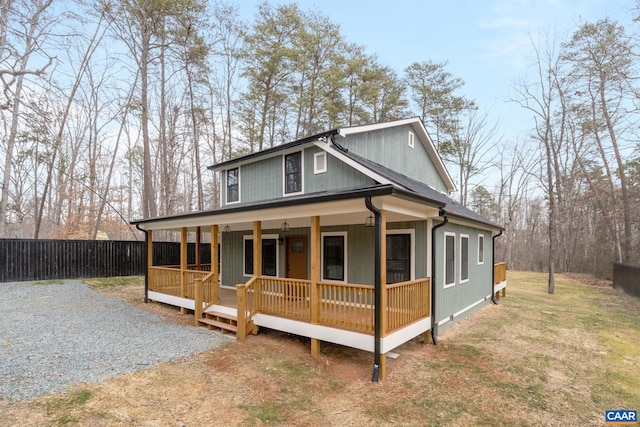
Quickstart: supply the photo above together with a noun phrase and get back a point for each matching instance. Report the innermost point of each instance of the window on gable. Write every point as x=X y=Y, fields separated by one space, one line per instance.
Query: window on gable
x=481 y=249
x=233 y=185
x=320 y=162
x=334 y=257
x=269 y=257
x=411 y=141
x=449 y=259
x=293 y=173
x=464 y=258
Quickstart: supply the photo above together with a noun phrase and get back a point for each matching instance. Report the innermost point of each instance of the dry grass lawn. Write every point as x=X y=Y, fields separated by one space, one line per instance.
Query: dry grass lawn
x=534 y=360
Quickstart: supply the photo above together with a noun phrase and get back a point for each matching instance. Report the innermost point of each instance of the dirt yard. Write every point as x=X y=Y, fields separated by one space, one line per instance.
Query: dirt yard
x=535 y=360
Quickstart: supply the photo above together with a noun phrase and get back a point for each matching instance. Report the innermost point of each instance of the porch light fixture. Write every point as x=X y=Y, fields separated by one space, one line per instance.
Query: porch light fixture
x=285 y=227
x=370 y=222
x=226 y=229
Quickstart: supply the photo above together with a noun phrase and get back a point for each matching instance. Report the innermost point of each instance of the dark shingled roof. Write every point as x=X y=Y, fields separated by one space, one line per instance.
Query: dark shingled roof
x=452 y=207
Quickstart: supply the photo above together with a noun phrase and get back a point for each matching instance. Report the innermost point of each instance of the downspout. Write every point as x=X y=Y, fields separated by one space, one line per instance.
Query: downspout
x=146 y=257
x=493 y=268
x=434 y=323
x=377 y=290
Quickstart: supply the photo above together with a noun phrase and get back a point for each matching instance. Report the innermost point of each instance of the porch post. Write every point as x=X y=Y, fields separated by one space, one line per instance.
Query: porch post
x=383 y=285
x=257 y=261
x=198 y=248
x=215 y=273
x=315 y=279
x=183 y=266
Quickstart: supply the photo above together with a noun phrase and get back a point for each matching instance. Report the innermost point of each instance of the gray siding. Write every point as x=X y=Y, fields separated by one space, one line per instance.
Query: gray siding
x=263 y=179
x=360 y=242
x=389 y=147
x=338 y=174
x=460 y=296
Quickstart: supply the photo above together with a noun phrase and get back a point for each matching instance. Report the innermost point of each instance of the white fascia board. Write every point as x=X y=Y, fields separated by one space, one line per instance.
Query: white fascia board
x=357 y=166
x=419 y=128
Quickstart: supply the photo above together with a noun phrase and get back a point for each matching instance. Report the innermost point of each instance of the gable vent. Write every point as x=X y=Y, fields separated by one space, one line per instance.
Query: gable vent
x=411 y=139
x=320 y=162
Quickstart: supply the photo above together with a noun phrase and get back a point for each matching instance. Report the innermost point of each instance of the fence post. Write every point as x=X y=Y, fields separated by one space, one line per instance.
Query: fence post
x=197 y=291
x=241 y=300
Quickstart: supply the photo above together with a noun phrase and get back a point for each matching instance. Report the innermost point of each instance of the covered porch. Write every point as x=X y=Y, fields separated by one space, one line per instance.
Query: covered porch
x=337 y=311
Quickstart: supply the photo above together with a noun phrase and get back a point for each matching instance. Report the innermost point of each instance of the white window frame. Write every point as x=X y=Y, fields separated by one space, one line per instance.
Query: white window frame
x=480 y=239
x=345 y=256
x=244 y=257
x=462 y=237
x=317 y=170
x=411 y=139
x=226 y=186
x=284 y=174
x=412 y=232
x=444 y=261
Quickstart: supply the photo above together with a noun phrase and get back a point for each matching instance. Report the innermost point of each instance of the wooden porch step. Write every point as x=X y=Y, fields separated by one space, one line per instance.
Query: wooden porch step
x=221 y=315
x=219 y=324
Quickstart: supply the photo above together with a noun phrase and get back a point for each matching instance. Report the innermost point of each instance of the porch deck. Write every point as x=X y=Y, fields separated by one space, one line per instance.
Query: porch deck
x=337 y=312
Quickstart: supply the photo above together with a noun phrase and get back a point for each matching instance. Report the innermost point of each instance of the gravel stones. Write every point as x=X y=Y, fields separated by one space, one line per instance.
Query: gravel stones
x=54 y=335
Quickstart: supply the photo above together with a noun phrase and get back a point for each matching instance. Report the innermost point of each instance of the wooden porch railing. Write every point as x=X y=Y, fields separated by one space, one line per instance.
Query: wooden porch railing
x=341 y=305
x=347 y=306
x=499 y=272
x=166 y=280
x=407 y=302
x=246 y=302
x=284 y=297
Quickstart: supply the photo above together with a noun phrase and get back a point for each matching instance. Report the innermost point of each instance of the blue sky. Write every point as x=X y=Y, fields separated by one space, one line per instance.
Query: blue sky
x=486 y=42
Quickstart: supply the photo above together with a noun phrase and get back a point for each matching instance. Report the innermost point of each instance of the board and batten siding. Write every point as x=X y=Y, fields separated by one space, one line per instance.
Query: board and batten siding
x=263 y=179
x=360 y=255
x=390 y=148
x=453 y=300
x=338 y=175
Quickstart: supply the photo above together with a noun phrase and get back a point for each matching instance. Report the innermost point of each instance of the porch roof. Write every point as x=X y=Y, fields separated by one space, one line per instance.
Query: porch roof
x=335 y=208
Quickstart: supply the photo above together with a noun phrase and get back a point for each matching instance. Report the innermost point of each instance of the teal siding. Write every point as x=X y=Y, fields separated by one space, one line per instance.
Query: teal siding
x=389 y=147
x=360 y=251
x=453 y=299
x=338 y=174
x=261 y=180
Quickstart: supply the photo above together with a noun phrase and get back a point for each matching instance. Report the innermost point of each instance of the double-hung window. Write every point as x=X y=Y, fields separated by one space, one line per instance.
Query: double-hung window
x=269 y=256
x=334 y=260
x=293 y=173
x=464 y=258
x=481 y=249
x=233 y=185
x=399 y=262
x=449 y=259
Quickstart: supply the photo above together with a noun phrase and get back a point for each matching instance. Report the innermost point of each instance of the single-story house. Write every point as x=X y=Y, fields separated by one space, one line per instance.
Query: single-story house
x=348 y=236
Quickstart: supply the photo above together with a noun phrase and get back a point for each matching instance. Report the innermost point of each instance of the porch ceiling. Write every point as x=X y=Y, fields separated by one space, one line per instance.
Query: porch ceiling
x=340 y=212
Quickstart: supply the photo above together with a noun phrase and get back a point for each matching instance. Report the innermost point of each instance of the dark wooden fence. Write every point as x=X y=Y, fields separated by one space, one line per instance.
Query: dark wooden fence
x=22 y=260
x=627 y=278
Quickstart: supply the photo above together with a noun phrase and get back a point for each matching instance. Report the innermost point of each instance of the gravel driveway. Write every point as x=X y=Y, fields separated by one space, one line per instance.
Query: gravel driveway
x=54 y=335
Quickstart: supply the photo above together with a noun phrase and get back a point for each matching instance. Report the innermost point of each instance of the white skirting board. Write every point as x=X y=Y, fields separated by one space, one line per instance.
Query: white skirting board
x=339 y=336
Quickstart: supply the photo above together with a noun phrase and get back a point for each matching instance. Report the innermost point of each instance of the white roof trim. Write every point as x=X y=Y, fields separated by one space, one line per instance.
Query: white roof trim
x=366 y=171
x=423 y=135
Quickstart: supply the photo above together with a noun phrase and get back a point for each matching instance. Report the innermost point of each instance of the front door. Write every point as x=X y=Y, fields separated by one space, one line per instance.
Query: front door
x=296 y=258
